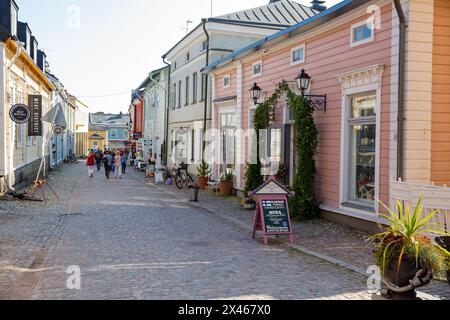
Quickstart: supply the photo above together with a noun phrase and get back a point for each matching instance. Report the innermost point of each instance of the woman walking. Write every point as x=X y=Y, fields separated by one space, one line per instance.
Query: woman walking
x=118 y=166
x=91 y=163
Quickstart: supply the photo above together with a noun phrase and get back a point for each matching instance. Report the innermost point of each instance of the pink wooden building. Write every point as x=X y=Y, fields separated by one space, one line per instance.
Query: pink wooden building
x=374 y=132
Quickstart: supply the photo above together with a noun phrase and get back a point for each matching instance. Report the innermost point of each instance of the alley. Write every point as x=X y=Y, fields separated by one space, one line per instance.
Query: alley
x=135 y=241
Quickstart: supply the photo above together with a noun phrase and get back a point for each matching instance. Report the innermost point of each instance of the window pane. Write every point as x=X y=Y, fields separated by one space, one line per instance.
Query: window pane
x=298 y=55
x=363 y=158
x=364 y=107
x=362 y=32
x=275 y=145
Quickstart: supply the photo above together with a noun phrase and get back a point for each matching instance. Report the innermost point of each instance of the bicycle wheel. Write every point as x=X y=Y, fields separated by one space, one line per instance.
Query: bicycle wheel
x=179 y=182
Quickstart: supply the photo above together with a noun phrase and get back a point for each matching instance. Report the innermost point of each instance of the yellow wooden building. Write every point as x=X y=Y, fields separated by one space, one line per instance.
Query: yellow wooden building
x=97 y=139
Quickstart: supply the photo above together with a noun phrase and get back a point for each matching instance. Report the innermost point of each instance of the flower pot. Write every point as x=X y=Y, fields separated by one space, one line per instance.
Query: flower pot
x=226 y=188
x=203 y=182
x=444 y=242
x=402 y=277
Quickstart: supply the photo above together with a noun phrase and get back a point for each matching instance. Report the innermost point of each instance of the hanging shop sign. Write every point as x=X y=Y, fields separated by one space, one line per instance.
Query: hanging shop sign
x=35 y=122
x=19 y=113
x=272 y=215
x=148 y=143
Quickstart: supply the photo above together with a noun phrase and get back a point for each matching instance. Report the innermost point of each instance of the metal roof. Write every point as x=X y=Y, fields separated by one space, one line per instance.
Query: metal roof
x=284 y=12
x=315 y=21
x=277 y=15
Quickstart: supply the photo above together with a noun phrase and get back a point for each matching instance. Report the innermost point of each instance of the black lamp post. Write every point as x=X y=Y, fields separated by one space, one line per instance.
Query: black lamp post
x=303 y=83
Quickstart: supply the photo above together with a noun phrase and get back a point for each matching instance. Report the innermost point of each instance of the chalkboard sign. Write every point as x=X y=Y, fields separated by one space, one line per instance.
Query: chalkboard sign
x=272 y=215
x=276 y=217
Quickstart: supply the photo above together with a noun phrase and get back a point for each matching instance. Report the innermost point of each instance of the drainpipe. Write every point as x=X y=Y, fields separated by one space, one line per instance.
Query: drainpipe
x=205 y=115
x=166 y=133
x=8 y=66
x=401 y=89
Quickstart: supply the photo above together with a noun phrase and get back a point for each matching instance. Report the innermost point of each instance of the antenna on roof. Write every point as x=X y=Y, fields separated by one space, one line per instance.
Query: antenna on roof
x=188 y=22
x=211 y=8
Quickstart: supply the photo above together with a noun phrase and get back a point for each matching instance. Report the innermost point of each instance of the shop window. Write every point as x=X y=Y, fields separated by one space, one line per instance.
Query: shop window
x=363 y=134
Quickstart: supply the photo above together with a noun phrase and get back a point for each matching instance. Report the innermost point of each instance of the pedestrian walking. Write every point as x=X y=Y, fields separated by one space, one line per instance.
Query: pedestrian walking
x=99 y=160
x=91 y=163
x=108 y=162
x=118 y=166
x=124 y=159
x=113 y=167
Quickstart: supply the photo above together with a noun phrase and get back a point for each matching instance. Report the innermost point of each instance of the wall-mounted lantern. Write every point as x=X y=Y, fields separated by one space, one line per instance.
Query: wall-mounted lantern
x=303 y=83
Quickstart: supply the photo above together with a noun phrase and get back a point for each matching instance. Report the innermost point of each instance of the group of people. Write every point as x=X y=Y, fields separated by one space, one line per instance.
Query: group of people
x=113 y=162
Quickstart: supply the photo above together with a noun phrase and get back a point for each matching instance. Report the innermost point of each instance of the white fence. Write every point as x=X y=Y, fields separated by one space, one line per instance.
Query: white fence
x=433 y=198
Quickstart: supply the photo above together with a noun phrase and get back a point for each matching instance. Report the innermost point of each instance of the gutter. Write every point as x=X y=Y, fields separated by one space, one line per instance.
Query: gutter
x=401 y=89
x=205 y=113
x=166 y=133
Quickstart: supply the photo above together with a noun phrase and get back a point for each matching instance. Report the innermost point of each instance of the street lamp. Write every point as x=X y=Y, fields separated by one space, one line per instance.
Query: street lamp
x=303 y=82
x=319 y=102
x=255 y=93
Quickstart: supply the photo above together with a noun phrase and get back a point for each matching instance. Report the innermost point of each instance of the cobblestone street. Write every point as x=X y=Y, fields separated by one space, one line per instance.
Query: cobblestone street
x=136 y=241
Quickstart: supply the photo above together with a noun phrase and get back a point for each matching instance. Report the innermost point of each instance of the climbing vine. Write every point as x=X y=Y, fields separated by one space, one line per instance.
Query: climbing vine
x=303 y=205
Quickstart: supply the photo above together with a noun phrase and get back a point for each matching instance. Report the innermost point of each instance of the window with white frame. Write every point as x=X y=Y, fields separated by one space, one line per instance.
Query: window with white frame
x=227 y=81
x=179 y=94
x=257 y=69
x=298 y=55
x=187 y=91
x=361 y=33
x=362 y=129
x=194 y=87
x=228 y=141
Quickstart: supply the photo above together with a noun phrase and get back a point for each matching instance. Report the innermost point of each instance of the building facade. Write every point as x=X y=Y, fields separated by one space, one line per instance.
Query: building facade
x=81 y=126
x=154 y=99
x=116 y=127
x=22 y=76
x=369 y=139
x=213 y=39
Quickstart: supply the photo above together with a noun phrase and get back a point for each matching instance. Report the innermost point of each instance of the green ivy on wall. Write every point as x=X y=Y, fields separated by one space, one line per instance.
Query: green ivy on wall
x=303 y=205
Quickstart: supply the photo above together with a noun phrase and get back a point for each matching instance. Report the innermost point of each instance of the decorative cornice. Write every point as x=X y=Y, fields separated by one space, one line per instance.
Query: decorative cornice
x=362 y=77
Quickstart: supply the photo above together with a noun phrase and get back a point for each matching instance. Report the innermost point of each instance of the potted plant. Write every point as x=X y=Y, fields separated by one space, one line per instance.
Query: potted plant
x=227 y=183
x=407 y=257
x=203 y=175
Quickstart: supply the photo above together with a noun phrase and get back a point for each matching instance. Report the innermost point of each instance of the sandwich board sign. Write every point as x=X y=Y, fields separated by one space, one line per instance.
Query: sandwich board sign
x=272 y=215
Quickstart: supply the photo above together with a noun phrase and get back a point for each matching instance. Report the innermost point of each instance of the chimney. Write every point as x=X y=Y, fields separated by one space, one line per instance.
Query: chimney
x=317 y=5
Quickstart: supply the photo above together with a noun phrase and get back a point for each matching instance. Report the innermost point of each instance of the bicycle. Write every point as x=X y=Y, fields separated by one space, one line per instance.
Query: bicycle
x=182 y=178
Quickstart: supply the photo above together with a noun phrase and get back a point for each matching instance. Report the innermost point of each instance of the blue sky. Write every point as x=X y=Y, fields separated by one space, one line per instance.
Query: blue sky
x=116 y=42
